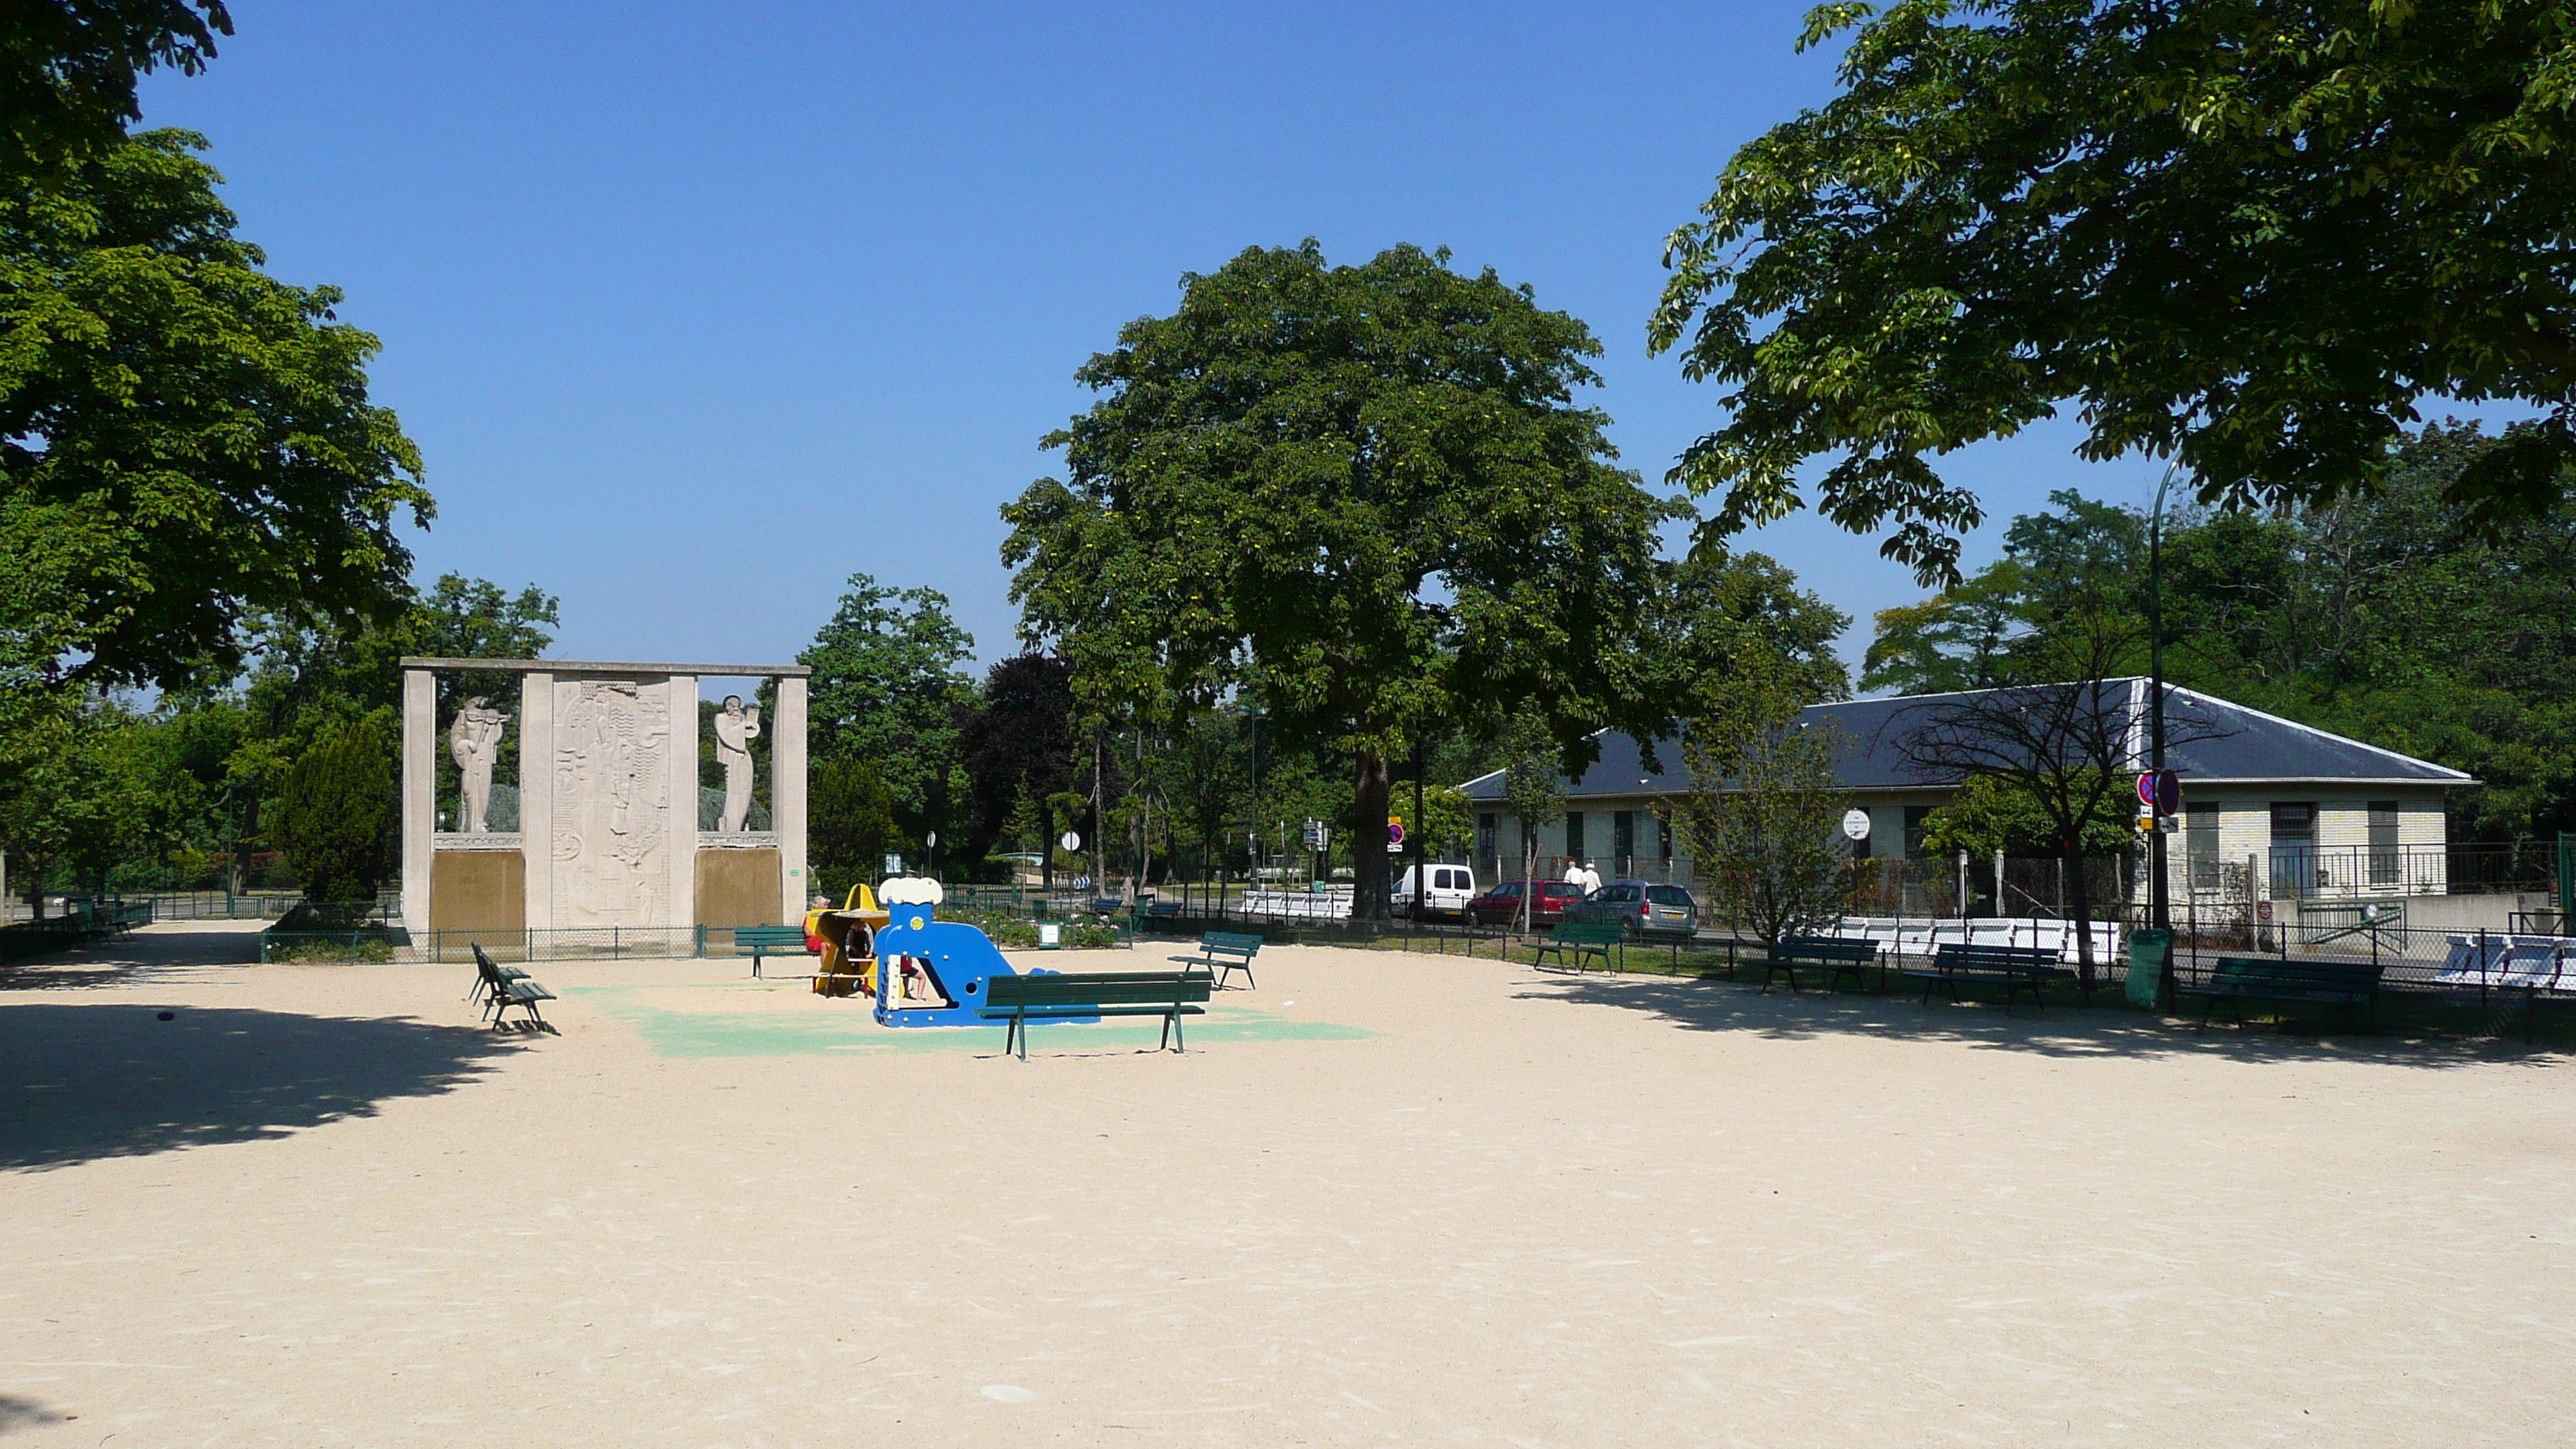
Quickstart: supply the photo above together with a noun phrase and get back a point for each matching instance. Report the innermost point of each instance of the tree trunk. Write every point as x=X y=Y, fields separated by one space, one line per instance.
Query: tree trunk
x=2082 y=897
x=1371 y=891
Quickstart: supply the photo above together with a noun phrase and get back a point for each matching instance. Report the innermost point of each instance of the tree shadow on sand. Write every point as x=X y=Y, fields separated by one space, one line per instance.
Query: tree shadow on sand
x=85 y=1081
x=139 y=959
x=2061 y=1030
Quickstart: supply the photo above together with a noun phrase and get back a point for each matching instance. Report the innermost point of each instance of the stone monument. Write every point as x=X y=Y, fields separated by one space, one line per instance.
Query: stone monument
x=735 y=730
x=608 y=833
x=475 y=740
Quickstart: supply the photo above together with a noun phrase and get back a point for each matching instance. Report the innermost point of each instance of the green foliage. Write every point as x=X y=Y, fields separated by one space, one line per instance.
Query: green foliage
x=850 y=826
x=2247 y=234
x=68 y=70
x=1760 y=820
x=1991 y=813
x=2387 y=615
x=336 y=816
x=887 y=690
x=1718 y=609
x=1533 y=771
x=1017 y=752
x=1362 y=495
x=185 y=442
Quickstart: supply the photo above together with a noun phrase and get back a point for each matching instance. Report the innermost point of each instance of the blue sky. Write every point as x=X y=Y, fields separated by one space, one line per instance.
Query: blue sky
x=696 y=310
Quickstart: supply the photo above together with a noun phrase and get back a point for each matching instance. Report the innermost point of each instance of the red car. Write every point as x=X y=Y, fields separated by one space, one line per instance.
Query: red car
x=1502 y=904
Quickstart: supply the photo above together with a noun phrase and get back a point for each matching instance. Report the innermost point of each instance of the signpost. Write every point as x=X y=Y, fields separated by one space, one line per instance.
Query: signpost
x=1394 y=834
x=1856 y=824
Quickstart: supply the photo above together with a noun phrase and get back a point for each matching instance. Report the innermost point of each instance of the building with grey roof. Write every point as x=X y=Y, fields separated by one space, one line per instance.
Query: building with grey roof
x=2300 y=811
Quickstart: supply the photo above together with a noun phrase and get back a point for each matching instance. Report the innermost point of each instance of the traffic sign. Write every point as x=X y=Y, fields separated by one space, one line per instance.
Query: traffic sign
x=2161 y=791
x=1394 y=830
x=1070 y=841
x=1856 y=824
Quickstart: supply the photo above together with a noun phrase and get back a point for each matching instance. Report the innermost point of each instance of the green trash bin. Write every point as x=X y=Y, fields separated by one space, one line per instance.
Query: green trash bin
x=2150 y=956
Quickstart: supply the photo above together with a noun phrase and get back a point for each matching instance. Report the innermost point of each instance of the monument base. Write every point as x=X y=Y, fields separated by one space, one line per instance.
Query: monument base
x=479 y=892
x=738 y=887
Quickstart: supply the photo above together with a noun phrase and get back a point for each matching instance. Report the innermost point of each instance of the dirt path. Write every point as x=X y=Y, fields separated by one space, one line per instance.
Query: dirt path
x=1387 y=1198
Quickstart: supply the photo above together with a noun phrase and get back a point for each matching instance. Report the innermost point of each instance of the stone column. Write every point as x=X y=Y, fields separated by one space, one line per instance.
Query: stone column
x=419 y=793
x=787 y=798
x=683 y=762
x=537 y=795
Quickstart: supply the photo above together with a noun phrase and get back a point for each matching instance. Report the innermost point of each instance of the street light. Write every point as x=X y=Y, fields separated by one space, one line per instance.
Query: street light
x=2159 y=902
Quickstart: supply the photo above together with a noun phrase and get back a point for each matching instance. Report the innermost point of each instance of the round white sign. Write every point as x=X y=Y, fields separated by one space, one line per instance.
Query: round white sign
x=931 y=840
x=1071 y=841
x=1856 y=824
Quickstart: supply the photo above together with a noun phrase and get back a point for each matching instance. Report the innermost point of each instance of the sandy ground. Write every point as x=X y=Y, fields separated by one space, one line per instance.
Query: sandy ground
x=1384 y=1199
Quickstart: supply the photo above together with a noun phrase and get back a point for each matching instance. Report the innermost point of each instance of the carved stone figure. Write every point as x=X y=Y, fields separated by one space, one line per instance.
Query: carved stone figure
x=475 y=740
x=611 y=800
x=736 y=728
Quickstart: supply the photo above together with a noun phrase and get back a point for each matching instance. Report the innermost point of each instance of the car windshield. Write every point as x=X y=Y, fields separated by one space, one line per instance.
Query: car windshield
x=1511 y=889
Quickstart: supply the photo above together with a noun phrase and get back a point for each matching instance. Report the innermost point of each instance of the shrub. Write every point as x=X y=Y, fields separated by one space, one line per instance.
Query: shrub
x=335 y=816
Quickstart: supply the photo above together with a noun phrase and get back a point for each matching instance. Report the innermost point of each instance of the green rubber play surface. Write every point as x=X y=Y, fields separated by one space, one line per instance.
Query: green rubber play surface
x=707 y=1029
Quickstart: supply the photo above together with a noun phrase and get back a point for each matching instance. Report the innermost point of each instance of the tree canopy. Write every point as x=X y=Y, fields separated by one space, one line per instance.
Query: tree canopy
x=2246 y=234
x=68 y=70
x=888 y=689
x=1364 y=494
x=2387 y=615
x=185 y=442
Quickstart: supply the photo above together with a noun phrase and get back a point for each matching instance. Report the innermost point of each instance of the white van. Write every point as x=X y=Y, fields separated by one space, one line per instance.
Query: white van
x=1451 y=888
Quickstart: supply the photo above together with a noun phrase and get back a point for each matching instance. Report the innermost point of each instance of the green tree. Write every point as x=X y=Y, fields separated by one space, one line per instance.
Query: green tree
x=1017 y=746
x=1993 y=813
x=1718 y=609
x=184 y=442
x=887 y=689
x=852 y=825
x=1760 y=817
x=68 y=70
x=1365 y=497
x=2388 y=615
x=335 y=817
x=1533 y=790
x=2246 y=234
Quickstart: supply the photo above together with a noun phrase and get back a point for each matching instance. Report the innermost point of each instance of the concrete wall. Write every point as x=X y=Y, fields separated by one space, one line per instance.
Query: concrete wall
x=739 y=887
x=480 y=891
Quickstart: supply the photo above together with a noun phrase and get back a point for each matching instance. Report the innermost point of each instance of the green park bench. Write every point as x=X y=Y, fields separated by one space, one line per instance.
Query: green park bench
x=1572 y=942
x=506 y=986
x=1832 y=956
x=2015 y=968
x=1222 y=953
x=766 y=941
x=1051 y=996
x=2278 y=981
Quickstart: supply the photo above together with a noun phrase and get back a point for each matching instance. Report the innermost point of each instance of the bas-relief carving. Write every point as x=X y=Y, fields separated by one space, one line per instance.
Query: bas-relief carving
x=475 y=741
x=736 y=728
x=611 y=803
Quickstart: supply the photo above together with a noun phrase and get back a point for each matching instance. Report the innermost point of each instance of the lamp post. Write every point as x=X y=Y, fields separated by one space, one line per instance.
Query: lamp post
x=2159 y=902
x=1252 y=714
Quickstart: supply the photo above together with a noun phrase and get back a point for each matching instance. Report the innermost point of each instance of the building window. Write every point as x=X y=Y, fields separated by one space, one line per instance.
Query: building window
x=1664 y=840
x=1489 y=835
x=2384 y=854
x=2200 y=842
x=1914 y=816
x=1573 y=834
x=2294 y=849
x=1623 y=841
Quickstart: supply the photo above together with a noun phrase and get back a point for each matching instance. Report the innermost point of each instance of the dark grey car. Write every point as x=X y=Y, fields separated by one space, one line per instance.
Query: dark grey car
x=1644 y=908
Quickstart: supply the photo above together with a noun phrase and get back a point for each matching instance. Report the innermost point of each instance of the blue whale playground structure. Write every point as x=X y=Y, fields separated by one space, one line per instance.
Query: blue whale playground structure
x=957 y=961
x=967 y=982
